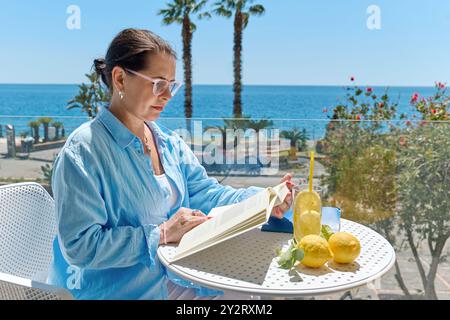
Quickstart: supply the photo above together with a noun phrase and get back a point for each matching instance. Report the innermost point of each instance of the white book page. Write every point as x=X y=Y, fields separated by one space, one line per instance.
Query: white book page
x=228 y=218
x=232 y=220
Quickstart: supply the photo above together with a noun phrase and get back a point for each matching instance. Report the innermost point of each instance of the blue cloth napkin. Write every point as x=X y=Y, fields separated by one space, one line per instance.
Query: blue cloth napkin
x=279 y=225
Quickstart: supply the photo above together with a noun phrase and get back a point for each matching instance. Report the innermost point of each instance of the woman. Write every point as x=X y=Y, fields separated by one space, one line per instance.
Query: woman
x=124 y=185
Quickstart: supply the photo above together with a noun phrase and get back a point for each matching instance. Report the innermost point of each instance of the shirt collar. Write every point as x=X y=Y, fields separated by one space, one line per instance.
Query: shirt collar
x=121 y=134
x=117 y=129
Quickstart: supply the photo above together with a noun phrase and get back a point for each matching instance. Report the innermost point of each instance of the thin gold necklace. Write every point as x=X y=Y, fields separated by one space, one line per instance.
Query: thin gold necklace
x=147 y=147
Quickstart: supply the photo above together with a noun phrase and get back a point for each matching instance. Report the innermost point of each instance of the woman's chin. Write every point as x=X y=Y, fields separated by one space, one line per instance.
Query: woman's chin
x=152 y=116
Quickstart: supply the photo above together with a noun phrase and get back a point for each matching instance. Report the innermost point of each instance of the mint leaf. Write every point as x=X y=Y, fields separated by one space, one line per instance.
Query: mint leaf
x=326 y=232
x=299 y=254
x=288 y=258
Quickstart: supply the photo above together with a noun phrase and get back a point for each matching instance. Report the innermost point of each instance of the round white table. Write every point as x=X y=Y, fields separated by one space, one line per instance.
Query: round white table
x=248 y=264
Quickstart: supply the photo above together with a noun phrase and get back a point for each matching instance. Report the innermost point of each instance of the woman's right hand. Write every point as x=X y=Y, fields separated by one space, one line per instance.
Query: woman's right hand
x=181 y=222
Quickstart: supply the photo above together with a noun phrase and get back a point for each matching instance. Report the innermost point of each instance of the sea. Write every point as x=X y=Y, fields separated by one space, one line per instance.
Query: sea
x=301 y=107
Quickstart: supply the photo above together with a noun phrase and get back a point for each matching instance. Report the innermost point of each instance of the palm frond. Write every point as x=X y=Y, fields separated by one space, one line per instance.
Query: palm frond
x=256 y=10
x=204 y=15
x=222 y=12
x=245 y=18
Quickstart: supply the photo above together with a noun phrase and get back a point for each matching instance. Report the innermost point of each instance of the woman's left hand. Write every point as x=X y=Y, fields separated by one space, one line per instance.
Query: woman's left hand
x=279 y=210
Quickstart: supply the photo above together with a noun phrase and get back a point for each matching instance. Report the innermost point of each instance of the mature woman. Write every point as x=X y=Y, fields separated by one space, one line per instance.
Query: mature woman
x=124 y=185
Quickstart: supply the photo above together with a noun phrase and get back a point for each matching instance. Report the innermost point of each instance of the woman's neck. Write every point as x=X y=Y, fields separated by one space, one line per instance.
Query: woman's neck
x=134 y=124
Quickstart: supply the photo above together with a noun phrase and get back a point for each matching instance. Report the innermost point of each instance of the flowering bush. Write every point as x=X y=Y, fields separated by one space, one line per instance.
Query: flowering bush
x=389 y=174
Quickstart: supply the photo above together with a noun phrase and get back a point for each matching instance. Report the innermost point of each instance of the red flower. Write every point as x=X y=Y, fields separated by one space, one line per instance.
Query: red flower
x=380 y=104
x=414 y=97
x=408 y=123
x=369 y=90
x=433 y=111
x=352 y=78
x=358 y=117
x=440 y=85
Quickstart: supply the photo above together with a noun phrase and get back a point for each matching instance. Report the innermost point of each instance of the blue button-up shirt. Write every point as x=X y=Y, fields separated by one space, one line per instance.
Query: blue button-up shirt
x=109 y=206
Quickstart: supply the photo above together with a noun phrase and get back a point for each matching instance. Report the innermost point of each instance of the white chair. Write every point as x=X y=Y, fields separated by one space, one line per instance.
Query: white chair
x=17 y=288
x=27 y=230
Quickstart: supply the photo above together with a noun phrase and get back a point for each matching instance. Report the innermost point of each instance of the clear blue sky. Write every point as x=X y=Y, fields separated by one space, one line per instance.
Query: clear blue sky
x=314 y=42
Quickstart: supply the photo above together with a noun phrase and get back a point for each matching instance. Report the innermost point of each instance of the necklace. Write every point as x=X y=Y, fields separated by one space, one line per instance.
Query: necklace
x=147 y=147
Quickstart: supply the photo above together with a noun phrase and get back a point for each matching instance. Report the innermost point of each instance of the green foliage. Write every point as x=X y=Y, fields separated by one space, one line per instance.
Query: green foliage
x=90 y=96
x=393 y=173
x=47 y=171
x=45 y=120
x=290 y=256
x=296 y=137
x=35 y=129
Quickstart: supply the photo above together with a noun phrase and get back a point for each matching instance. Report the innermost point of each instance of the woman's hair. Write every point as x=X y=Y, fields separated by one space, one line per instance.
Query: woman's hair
x=130 y=49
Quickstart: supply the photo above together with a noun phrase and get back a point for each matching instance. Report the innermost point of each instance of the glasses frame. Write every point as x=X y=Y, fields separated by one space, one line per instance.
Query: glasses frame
x=157 y=80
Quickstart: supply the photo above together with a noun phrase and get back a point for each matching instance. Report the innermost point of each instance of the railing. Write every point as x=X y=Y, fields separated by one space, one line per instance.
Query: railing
x=393 y=176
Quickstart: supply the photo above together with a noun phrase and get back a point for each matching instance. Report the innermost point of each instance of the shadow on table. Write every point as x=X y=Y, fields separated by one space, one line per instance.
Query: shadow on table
x=313 y=271
x=351 y=267
x=243 y=258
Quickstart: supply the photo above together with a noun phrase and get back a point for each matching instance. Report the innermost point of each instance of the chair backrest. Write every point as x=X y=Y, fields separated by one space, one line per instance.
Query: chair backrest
x=27 y=230
x=17 y=288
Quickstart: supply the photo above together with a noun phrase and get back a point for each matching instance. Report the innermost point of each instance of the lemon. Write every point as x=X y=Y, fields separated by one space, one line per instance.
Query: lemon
x=316 y=251
x=344 y=246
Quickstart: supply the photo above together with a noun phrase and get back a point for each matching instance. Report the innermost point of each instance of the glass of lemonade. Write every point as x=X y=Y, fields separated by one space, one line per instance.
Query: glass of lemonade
x=307 y=213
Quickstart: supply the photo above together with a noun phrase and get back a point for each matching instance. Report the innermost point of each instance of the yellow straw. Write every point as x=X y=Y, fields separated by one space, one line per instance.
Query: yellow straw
x=311 y=170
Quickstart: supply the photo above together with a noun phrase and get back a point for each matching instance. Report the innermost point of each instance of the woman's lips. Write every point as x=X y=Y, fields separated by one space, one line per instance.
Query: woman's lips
x=159 y=108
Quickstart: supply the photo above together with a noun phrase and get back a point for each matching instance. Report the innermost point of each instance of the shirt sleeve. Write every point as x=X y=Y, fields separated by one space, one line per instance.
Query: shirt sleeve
x=85 y=237
x=206 y=193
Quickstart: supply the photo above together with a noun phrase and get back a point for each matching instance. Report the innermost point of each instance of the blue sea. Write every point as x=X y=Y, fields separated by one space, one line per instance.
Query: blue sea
x=211 y=102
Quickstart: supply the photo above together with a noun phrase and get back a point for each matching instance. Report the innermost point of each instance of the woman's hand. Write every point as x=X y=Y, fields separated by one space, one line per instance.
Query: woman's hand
x=279 y=210
x=181 y=222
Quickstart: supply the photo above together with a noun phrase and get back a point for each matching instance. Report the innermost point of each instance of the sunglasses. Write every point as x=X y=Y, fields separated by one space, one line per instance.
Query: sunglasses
x=159 y=85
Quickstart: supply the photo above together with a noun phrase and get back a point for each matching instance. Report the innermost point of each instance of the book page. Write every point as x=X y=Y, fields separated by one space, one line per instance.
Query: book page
x=231 y=220
x=226 y=219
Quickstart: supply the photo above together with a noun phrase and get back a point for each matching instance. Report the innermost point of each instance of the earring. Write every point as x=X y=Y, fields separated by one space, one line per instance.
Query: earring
x=121 y=95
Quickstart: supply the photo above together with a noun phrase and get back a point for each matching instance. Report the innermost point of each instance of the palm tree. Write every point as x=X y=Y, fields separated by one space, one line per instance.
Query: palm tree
x=242 y=11
x=90 y=96
x=35 y=130
x=180 y=12
x=58 y=125
x=45 y=122
x=243 y=122
x=295 y=136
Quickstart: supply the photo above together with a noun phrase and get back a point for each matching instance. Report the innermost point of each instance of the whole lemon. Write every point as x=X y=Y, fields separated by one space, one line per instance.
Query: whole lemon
x=344 y=246
x=316 y=251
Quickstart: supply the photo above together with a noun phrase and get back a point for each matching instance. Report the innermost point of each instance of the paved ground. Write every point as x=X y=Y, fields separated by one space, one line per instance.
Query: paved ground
x=387 y=288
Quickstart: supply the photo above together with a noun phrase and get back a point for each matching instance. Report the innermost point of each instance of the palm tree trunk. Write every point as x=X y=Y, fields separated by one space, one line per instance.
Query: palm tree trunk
x=186 y=34
x=45 y=132
x=237 y=64
x=36 y=134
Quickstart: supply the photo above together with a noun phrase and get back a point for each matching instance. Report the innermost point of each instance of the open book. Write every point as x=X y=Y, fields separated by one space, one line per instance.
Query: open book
x=231 y=220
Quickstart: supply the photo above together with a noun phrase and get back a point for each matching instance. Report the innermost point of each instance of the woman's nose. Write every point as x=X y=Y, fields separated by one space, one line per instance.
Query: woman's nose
x=166 y=95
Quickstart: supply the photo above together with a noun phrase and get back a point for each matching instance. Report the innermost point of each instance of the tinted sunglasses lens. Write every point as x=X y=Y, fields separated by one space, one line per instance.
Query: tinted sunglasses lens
x=160 y=86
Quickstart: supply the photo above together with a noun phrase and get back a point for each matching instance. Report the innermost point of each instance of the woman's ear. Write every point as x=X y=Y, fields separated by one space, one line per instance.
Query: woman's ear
x=118 y=78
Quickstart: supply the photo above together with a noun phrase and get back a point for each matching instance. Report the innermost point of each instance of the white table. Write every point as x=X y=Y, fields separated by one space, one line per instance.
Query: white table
x=248 y=264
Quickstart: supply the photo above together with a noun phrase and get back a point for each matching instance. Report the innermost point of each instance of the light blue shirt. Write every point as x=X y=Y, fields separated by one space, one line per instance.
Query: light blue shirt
x=109 y=206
